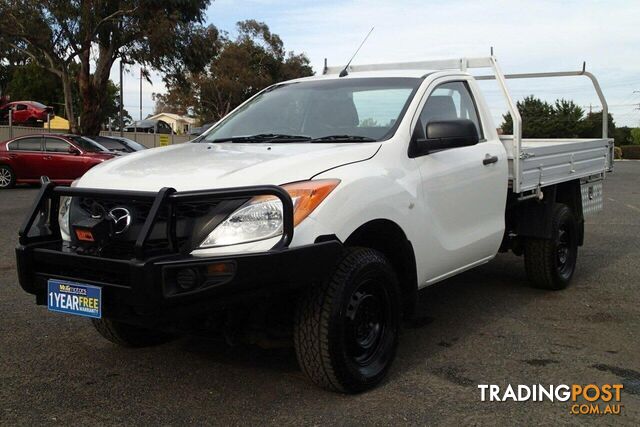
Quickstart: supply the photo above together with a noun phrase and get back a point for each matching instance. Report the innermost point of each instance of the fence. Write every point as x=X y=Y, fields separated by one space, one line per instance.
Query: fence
x=149 y=140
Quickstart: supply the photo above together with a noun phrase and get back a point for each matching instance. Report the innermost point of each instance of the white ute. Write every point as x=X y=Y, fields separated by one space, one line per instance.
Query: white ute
x=394 y=178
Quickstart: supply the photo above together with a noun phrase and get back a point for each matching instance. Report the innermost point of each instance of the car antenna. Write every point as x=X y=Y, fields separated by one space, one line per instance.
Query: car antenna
x=344 y=71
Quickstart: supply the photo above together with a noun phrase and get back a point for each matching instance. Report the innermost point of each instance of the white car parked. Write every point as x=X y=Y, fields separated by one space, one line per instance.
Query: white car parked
x=324 y=203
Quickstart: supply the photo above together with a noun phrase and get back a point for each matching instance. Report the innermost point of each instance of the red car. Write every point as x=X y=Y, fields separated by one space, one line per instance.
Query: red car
x=25 y=113
x=62 y=158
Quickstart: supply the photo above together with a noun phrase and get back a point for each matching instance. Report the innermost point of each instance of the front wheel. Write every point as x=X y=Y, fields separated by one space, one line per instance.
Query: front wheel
x=550 y=263
x=346 y=330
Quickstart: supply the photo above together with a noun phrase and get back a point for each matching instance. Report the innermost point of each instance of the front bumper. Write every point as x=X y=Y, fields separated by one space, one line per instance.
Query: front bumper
x=132 y=288
x=148 y=287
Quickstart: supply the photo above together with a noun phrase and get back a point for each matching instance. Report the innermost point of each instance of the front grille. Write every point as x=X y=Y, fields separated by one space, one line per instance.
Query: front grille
x=140 y=208
x=189 y=217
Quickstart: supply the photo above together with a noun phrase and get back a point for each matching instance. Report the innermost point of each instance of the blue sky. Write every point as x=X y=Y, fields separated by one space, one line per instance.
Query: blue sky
x=527 y=35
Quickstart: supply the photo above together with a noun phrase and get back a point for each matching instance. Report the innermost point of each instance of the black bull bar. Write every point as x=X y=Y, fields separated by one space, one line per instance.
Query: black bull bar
x=47 y=203
x=147 y=281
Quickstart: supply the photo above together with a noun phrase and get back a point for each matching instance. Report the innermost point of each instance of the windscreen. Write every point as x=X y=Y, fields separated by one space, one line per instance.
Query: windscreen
x=87 y=144
x=133 y=145
x=363 y=107
x=111 y=144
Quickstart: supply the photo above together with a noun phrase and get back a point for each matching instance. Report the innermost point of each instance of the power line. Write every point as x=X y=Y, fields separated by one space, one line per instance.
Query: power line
x=612 y=105
x=564 y=89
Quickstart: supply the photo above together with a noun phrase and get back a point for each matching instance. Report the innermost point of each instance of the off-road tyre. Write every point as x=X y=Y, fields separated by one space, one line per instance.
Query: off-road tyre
x=346 y=330
x=126 y=335
x=550 y=263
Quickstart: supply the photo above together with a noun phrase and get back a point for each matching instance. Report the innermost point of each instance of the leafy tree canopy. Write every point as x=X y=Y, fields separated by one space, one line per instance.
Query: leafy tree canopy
x=10 y=58
x=31 y=82
x=60 y=34
x=563 y=119
x=635 y=136
x=622 y=135
x=242 y=66
x=34 y=83
x=591 y=126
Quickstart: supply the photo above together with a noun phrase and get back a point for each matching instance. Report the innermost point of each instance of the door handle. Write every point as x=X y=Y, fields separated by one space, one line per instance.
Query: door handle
x=489 y=159
x=47 y=157
x=13 y=156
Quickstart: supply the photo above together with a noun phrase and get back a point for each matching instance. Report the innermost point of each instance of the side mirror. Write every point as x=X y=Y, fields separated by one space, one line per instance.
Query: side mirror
x=442 y=135
x=73 y=150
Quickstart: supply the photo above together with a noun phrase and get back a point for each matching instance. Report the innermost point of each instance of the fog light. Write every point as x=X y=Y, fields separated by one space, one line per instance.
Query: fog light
x=187 y=278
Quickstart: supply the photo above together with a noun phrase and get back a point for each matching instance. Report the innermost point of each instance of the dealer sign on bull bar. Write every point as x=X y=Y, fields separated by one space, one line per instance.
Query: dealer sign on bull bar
x=74 y=298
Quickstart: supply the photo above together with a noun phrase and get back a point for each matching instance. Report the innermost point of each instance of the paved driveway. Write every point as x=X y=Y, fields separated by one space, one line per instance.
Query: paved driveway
x=483 y=327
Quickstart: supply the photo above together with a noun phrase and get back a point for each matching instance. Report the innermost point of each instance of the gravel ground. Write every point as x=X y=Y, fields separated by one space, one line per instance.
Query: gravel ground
x=483 y=327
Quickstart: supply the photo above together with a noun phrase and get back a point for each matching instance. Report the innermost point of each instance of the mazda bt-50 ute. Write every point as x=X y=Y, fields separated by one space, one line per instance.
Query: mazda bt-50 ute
x=315 y=211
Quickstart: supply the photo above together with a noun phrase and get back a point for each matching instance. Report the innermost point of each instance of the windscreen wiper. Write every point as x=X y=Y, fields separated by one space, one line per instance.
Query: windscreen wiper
x=344 y=138
x=264 y=137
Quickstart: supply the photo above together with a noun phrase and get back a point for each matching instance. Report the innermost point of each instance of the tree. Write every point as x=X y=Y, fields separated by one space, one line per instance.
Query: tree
x=255 y=59
x=58 y=34
x=536 y=118
x=171 y=102
x=635 y=136
x=591 y=126
x=622 y=135
x=566 y=119
x=111 y=106
x=563 y=119
x=31 y=82
x=10 y=58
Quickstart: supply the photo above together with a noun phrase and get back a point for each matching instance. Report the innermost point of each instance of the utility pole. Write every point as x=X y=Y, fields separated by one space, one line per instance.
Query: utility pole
x=121 y=114
x=141 y=93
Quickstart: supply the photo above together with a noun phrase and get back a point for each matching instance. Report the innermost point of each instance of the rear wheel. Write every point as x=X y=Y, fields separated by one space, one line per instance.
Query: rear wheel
x=7 y=177
x=346 y=331
x=127 y=335
x=550 y=263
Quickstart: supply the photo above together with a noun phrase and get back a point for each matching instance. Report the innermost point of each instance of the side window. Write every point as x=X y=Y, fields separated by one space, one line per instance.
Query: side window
x=164 y=127
x=21 y=107
x=26 y=144
x=379 y=108
x=56 y=145
x=451 y=101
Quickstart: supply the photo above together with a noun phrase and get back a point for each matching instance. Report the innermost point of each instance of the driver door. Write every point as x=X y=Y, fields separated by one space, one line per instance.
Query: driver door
x=20 y=114
x=60 y=164
x=464 y=194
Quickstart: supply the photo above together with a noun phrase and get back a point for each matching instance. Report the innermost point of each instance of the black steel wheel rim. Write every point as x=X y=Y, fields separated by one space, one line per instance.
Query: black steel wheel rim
x=565 y=251
x=367 y=319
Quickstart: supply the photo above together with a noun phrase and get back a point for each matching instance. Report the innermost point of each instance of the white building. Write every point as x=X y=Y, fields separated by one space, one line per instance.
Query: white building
x=180 y=124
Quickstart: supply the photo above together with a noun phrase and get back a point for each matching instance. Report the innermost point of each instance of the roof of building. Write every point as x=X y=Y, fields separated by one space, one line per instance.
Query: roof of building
x=176 y=117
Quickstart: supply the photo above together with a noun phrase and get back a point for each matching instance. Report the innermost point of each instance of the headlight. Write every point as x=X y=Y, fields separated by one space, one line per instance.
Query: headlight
x=256 y=220
x=63 y=217
x=261 y=217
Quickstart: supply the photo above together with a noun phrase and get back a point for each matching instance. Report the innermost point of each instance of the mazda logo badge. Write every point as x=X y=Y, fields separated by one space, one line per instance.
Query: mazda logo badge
x=121 y=218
